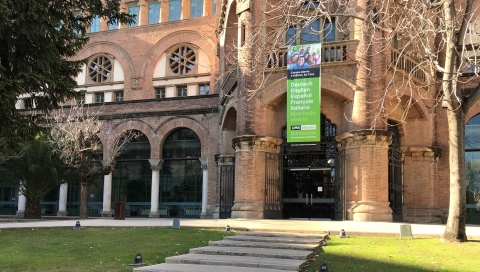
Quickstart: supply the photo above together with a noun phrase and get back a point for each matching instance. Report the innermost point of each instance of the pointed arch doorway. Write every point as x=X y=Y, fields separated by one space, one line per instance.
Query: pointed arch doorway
x=309 y=178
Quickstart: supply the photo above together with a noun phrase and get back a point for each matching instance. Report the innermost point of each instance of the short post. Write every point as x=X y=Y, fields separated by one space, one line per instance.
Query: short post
x=176 y=223
x=77 y=226
x=406 y=230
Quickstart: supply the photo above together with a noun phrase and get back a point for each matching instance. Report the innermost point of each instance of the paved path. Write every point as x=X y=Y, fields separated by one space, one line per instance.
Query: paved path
x=305 y=226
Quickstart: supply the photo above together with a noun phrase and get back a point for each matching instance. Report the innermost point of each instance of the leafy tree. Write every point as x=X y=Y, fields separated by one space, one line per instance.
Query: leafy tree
x=36 y=171
x=38 y=39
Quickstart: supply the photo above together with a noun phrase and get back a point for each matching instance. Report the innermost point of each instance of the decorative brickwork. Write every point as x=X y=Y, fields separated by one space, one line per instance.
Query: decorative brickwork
x=366 y=177
x=250 y=174
x=420 y=184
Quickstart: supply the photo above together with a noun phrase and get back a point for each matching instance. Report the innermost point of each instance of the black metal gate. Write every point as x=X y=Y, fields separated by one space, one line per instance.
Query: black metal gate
x=301 y=173
x=340 y=166
x=227 y=190
x=273 y=186
x=395 y=175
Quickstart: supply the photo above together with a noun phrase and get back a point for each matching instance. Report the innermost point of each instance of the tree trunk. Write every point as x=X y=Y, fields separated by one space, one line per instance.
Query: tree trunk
x=33 y=210
x=84 y=200
x=455 y=230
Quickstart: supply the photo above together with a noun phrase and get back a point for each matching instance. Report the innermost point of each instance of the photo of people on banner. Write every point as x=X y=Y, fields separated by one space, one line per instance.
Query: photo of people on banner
x=303 y=57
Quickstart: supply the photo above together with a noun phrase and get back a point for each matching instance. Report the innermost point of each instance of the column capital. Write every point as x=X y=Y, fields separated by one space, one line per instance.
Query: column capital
x=155 y=164
x=429 y=153
x=242 y=6
x=257 y=143
x=358 y=138
x=225 y=159
x=204 y=162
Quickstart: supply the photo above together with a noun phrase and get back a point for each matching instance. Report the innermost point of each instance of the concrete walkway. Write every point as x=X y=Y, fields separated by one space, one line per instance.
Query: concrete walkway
x=299 y=226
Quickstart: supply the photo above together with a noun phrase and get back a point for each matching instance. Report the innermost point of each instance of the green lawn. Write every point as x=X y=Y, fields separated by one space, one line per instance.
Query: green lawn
x=367 y=253
x=111 y=249
x=95 y=249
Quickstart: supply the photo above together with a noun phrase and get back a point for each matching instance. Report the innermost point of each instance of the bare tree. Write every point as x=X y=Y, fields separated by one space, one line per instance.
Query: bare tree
x=431 y=48
x=75 y=138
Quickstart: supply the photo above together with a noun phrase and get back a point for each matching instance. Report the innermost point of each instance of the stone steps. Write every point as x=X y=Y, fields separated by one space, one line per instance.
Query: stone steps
x=246 y=252
x=285 y=240
x=164 y=267
x=227 y=243
x=254 y=252
x=239 y=261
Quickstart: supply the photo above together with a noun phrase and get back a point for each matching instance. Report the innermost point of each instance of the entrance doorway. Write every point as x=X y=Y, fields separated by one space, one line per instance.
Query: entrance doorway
x=309 y=193
x=309 y=178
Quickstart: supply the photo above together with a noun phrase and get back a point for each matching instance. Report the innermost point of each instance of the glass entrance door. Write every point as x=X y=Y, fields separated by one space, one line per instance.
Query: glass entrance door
x=308 y=193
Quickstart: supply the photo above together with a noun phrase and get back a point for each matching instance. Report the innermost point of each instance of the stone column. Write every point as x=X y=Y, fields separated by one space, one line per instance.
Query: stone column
x=62 y=200
x=250 y=161
x=225 y=172
x=107 y=195
x=155 y=165
x=420 y=185
x=204 y=162
x=21 y=204
x=366 y=174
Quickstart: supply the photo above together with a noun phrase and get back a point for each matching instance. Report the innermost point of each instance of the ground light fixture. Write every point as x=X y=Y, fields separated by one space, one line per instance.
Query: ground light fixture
x=342 y=234
x=323 y=267
x=138 y=260
x=77 y=226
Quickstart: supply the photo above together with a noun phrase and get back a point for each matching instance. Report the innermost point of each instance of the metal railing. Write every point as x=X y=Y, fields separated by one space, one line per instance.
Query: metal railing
x=407 y=65
x=332 y=52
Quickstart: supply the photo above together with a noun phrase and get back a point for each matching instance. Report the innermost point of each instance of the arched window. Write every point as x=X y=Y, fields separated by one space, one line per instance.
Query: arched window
x=182 y=60
x=472 y=156
x=132 y=177
x=100 y=69
x=181 y=175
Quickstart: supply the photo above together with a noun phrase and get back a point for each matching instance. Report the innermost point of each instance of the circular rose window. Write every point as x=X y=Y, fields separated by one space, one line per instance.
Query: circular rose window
x=100 y=69
x=182 y=60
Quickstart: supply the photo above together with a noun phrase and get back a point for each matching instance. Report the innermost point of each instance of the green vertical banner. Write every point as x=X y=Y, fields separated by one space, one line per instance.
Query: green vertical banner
x=303 y=96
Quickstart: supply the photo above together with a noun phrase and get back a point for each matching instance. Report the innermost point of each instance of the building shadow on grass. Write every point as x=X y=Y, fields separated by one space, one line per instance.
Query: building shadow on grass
x=341 y=263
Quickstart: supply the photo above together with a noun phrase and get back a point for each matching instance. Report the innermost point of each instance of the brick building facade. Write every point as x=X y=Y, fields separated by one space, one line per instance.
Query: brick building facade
x=182 y=76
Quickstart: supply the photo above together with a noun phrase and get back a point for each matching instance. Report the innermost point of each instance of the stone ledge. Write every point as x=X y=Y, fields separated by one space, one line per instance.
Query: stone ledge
x=257 y=143
x=422 y=152
x=358 y=138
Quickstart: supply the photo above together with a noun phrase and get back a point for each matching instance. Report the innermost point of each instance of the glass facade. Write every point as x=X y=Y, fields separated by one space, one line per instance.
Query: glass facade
x=154 y=13
x=134 y=10
x=181 y=175
x=182 y=91
x=204 y=89
x=196 y=8
x=310 y=32
x=112 y=26
x=118 y=96
x=160 y=93
x=132 y=177
x=8 y=199
x=175 y=10
x=180 y=182
x=214 y=6
x=99 y=98
x=472 y=156
x=95 y=26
